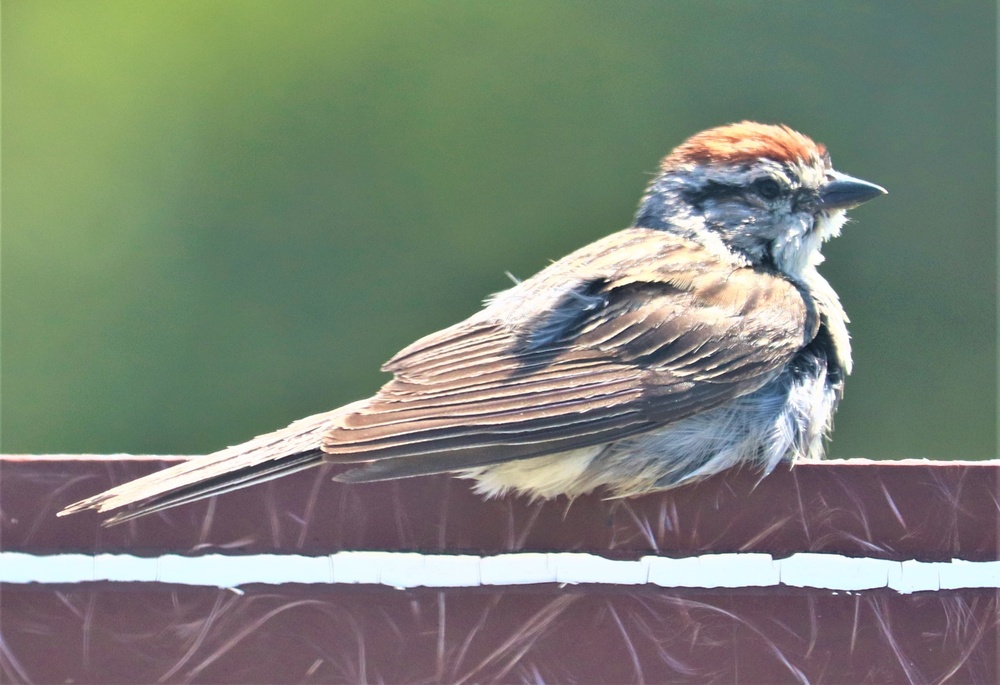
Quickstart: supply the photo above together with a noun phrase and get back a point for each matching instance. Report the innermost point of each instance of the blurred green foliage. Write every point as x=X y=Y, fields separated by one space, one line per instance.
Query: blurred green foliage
x=221 y=216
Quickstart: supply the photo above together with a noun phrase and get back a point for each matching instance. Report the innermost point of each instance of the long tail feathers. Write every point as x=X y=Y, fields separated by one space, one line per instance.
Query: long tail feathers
x=265 y=457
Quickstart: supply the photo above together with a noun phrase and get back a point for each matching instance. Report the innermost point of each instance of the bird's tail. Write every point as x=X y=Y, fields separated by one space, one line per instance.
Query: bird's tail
x=265 y=457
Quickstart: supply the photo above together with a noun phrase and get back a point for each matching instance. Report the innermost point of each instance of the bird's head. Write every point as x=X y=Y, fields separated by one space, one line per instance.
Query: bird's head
x=766 y=193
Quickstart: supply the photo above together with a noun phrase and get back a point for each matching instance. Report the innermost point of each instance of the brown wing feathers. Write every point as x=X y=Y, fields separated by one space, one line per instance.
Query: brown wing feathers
x=639 y=360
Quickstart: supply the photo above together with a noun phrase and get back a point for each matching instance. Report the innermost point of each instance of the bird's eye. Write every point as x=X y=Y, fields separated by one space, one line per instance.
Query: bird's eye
x=766 y=188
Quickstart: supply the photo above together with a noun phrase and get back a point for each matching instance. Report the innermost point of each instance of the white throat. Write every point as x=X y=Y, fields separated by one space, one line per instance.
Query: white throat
x=797 y=252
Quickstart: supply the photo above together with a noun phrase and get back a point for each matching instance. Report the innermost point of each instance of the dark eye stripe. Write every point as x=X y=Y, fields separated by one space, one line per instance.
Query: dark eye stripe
x=712 y=190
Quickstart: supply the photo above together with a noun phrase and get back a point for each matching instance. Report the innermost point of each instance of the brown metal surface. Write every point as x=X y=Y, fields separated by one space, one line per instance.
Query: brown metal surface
x=924 y=510
x=133 y=632
x=103 y=633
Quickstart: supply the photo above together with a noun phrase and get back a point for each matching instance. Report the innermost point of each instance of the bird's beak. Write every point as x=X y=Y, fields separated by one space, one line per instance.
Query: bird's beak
x=843 y=192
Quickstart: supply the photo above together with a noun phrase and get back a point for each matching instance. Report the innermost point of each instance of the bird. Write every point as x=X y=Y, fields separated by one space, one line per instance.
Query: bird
x=700 y=338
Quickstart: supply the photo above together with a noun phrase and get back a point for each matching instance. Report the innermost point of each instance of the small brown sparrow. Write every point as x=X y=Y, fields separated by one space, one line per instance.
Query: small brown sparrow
x=701 y=338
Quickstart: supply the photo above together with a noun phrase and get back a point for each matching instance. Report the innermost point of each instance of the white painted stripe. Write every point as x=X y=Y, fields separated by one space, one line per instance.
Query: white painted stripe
x=517 y=569
x=576 y=568
x=835 y=572
x=409 y=569
x=961 y=574
x=443 y=570
x=715 y=570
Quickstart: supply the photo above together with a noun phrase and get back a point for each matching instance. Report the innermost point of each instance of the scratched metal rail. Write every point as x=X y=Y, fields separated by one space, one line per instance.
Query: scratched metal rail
x=826 y=573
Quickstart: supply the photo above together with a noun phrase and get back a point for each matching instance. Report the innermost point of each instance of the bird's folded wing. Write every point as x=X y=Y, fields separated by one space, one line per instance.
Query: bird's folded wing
x=632 y=347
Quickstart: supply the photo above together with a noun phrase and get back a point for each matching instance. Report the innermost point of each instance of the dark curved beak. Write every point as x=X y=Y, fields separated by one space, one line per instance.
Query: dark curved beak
x=843 y=192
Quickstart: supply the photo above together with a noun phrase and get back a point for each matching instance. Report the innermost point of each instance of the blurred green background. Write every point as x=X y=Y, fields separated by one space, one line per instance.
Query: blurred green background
x=222 y=216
